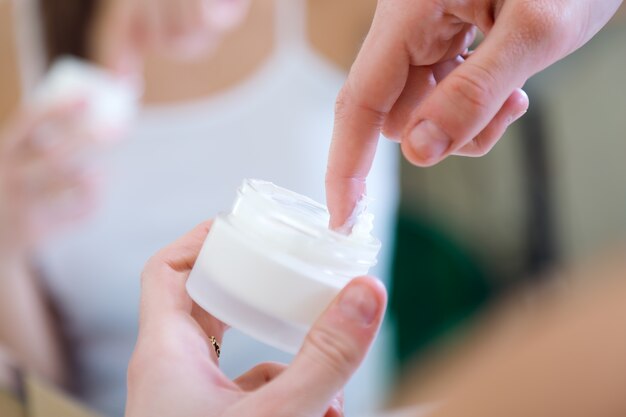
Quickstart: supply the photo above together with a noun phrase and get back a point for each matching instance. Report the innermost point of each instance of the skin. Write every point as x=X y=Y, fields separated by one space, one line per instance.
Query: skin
x=42 y=183
x=174 y=370
x=335 y=30
x=45 y=181
x=43 y=189
x=121 y=38
x=563 y=358
x=416 y=84
x=530 y=367
x=125 y=30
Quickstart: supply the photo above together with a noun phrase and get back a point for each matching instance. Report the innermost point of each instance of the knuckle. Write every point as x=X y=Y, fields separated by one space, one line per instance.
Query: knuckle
x=348 y=100
x=341 y=103
x=474 y=87
x=480 y=146
x=544 y=22
x=332 y=351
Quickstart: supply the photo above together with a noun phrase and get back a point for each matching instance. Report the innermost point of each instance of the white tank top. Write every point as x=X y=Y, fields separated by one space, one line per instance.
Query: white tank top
x=180 y=165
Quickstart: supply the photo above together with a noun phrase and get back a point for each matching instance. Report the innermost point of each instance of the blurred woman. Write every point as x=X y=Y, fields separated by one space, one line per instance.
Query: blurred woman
x=258 y=105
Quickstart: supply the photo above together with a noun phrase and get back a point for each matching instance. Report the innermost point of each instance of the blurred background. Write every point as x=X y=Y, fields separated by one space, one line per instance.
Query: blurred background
x=471 y=231
x=456 y=236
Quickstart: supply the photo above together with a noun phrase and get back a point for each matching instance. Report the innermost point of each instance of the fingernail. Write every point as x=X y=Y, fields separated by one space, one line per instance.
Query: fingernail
x=359 y=304
x=428 y=141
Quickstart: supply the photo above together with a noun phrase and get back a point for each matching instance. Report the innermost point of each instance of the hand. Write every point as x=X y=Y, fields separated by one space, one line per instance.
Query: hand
x=414 y=81
x=174 y=370
x=126 y=29
x=44 y=183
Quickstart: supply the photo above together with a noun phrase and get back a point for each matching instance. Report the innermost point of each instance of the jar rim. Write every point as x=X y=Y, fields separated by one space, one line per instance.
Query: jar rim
x=276 y=213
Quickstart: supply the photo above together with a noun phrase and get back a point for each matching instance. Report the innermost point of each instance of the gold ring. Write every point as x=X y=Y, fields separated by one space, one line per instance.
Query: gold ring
x=216 y=346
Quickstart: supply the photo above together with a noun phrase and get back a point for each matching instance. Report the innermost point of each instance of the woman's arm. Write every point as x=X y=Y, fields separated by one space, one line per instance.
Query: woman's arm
x=26 y=327
x=568 y=360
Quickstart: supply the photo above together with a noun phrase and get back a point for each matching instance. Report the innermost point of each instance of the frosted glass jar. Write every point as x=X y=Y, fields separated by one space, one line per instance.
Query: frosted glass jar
x=271 y=266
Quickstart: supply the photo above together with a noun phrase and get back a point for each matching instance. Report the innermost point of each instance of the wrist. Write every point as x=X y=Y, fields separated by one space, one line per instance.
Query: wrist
x=14 y=252
x=13 y=263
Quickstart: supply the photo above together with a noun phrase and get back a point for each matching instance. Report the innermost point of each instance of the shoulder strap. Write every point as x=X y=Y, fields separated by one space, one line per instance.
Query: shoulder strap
x=291 y=24
x=31 y=51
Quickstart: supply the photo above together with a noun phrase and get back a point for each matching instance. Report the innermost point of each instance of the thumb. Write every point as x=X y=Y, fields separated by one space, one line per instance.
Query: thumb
x=468 y=100
x=332 y=351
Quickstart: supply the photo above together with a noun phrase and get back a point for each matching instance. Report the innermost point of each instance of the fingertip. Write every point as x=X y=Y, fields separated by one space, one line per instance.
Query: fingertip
x=337 y=218
x=518 y=103
x=333 y=349
x=513 y=108
x=425 y=144
x=342 y=196
x=363 y=301
x=422 y=158
x=372 y=283
x=521 y=95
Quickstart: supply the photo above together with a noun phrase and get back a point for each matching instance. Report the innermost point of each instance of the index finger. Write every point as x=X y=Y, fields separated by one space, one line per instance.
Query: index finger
x=374 y=84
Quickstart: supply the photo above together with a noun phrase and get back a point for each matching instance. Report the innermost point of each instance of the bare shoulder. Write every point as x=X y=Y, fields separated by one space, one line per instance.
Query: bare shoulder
x=9 y=77
x=336 y=28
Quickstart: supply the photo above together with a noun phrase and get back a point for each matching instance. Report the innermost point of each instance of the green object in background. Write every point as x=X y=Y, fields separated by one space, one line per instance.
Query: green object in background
x=436 y=286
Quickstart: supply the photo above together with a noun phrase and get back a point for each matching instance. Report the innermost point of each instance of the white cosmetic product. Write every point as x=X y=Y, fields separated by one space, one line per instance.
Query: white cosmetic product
x=271 y=266
x=111 y=102
x=360 y=221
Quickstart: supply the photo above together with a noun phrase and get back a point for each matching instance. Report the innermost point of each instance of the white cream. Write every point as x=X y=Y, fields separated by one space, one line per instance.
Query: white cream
x=361 y=222
x=271 y=266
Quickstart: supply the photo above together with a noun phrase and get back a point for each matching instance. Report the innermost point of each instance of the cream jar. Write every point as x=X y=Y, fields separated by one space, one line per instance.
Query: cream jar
x=111 y=102
x=271 y=266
